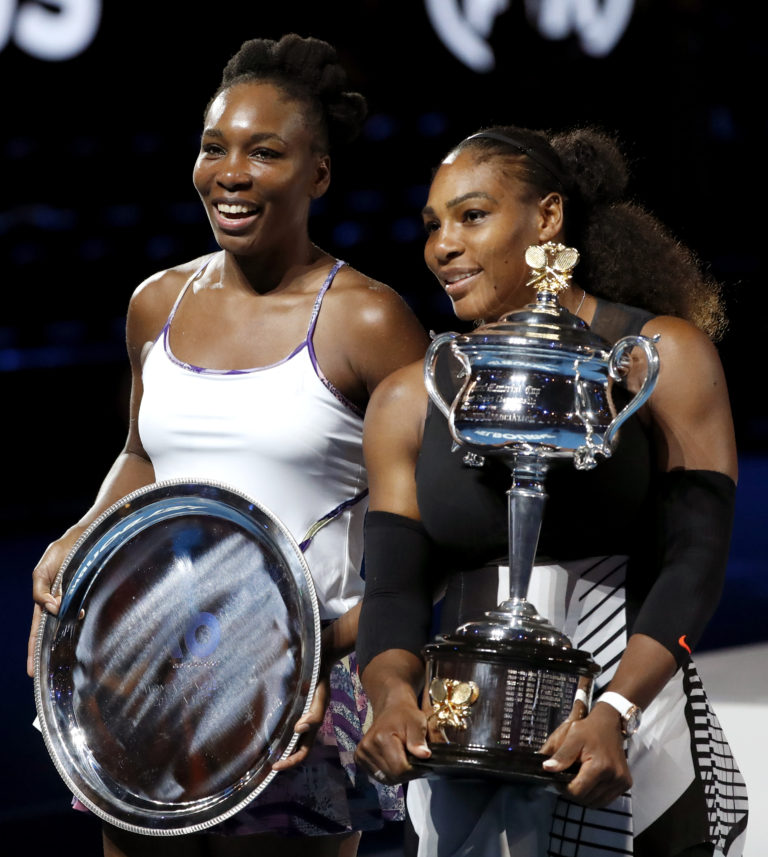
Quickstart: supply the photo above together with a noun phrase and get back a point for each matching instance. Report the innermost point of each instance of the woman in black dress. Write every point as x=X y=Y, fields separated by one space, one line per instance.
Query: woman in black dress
x=631 y=556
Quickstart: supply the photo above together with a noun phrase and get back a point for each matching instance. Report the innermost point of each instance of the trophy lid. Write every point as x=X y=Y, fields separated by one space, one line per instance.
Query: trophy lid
x=544 y=322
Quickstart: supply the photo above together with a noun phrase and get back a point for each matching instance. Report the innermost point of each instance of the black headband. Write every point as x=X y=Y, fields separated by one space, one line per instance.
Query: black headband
x=543 y=159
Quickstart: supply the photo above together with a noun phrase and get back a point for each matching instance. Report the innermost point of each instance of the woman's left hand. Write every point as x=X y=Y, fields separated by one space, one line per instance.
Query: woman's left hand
x=597 y=743
x=308 y=725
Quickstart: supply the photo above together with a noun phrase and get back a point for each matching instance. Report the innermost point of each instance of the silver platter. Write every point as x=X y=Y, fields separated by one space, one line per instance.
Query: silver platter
x=184 y=652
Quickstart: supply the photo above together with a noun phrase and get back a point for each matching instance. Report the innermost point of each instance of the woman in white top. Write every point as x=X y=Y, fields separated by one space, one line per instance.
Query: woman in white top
x=239 y=377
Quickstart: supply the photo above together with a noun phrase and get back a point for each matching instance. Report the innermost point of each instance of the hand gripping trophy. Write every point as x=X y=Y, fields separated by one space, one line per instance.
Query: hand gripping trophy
x=536 y=387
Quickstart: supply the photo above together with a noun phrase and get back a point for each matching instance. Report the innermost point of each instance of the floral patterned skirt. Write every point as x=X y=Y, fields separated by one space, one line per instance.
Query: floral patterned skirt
x=327 y=793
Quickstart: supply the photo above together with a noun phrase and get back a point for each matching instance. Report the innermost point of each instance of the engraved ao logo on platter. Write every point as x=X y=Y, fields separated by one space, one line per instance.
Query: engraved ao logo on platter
x=185 y=650
x=157 y=652
x=200 y=641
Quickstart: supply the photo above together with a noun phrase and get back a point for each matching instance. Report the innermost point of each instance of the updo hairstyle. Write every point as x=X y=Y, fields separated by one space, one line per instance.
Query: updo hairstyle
x=307 y=70
x=627 y=254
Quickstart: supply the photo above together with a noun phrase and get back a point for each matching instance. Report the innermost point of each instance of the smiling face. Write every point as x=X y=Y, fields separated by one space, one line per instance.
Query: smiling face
x=258 y=170
x=480 y=220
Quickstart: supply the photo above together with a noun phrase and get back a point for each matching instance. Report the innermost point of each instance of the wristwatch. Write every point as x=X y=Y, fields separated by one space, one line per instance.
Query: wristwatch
x=629 y=712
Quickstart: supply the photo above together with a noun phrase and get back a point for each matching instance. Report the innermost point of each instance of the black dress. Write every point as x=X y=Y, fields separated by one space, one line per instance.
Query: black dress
x=590 y=579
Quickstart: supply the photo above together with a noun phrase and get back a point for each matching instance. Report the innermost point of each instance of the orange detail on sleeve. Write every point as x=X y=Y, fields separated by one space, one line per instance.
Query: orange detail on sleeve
x=685 y=645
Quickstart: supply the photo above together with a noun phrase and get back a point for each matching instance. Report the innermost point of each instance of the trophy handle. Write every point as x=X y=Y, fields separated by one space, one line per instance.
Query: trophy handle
x=616 y=363
x=430 y=361
x=584 y=456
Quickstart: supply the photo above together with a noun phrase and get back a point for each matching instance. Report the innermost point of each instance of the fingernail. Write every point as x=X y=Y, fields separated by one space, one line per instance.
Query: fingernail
x=550 y=763
x=51 y=606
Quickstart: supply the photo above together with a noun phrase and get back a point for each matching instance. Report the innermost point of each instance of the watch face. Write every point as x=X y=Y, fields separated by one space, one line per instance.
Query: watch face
x=632 y=720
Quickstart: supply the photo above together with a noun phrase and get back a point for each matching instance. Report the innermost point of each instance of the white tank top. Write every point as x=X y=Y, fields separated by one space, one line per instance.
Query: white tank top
x=281 y=434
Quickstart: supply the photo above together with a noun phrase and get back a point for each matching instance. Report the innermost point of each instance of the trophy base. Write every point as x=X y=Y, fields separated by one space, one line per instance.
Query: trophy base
x=511 y=766
x=495 y=702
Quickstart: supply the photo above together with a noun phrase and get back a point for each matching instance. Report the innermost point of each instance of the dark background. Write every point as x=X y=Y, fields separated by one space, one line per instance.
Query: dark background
x=97 y=154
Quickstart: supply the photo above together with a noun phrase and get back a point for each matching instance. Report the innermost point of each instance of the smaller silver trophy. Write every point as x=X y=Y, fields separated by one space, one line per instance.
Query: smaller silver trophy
x=536 y=387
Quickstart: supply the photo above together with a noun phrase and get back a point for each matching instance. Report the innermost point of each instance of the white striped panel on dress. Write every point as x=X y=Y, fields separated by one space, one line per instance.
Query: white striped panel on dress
x=579 y=831
x=724 y=787
x=586 y=600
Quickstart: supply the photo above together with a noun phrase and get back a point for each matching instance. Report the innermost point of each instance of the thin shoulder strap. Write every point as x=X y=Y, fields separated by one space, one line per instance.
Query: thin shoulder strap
x=319 y=299
x=181 y=294
x=310 y=345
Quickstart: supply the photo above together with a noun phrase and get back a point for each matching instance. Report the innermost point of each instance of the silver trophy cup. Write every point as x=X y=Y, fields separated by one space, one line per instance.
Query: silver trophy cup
x=536 y=387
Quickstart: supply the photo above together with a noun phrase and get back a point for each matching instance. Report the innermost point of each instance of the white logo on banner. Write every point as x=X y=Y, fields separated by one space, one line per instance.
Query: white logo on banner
x=464 y=26
x=50 y=31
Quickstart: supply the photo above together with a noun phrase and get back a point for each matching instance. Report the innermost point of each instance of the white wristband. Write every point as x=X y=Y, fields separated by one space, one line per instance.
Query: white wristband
x=630 y=714
x=581 y=696
x=617 y=701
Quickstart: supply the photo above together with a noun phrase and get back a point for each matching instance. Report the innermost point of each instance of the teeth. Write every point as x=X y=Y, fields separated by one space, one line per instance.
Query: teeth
x=451 y=280
x=226 y=208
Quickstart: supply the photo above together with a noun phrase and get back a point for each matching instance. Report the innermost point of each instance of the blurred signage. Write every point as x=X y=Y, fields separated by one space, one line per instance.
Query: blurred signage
x=465 y=26
x=50 y=31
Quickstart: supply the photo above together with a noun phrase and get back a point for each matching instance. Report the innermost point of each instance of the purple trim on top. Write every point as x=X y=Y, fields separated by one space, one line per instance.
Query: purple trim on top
x=337 y=394
x=307 y=342
x=319 y=299
x=204 y=370
x=166 y=332
x=330 y=516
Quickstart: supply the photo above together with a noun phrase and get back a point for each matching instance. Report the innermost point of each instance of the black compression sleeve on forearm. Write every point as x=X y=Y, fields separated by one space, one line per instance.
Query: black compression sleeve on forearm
x=397 y=605
x=692 y=532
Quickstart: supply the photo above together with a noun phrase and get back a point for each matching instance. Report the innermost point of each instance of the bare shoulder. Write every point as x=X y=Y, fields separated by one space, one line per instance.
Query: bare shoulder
x=689 y=362
x=352 y=280
x=392 y=437
x=400 y=399
x=678 y=338
x=403 y=385
x=370 y=302
x=153 y=299
x=164 y=285
x=374 y=327
x=690 y=407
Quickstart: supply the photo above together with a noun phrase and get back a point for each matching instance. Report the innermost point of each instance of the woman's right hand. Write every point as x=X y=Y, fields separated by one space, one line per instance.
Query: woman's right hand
x=398 y=728
x=597 y=744
x=42 y=582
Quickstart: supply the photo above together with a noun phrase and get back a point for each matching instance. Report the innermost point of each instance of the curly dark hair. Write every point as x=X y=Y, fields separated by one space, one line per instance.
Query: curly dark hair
x=308 y=71
x=627 y=254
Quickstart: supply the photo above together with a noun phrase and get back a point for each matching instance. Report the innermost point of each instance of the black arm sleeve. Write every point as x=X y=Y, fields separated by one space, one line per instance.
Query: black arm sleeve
x=694 y=518
x=397 y=605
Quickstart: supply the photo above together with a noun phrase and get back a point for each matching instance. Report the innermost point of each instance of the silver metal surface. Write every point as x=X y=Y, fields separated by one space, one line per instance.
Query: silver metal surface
x=536 y=387
x=184 y=652
x=536 y=383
